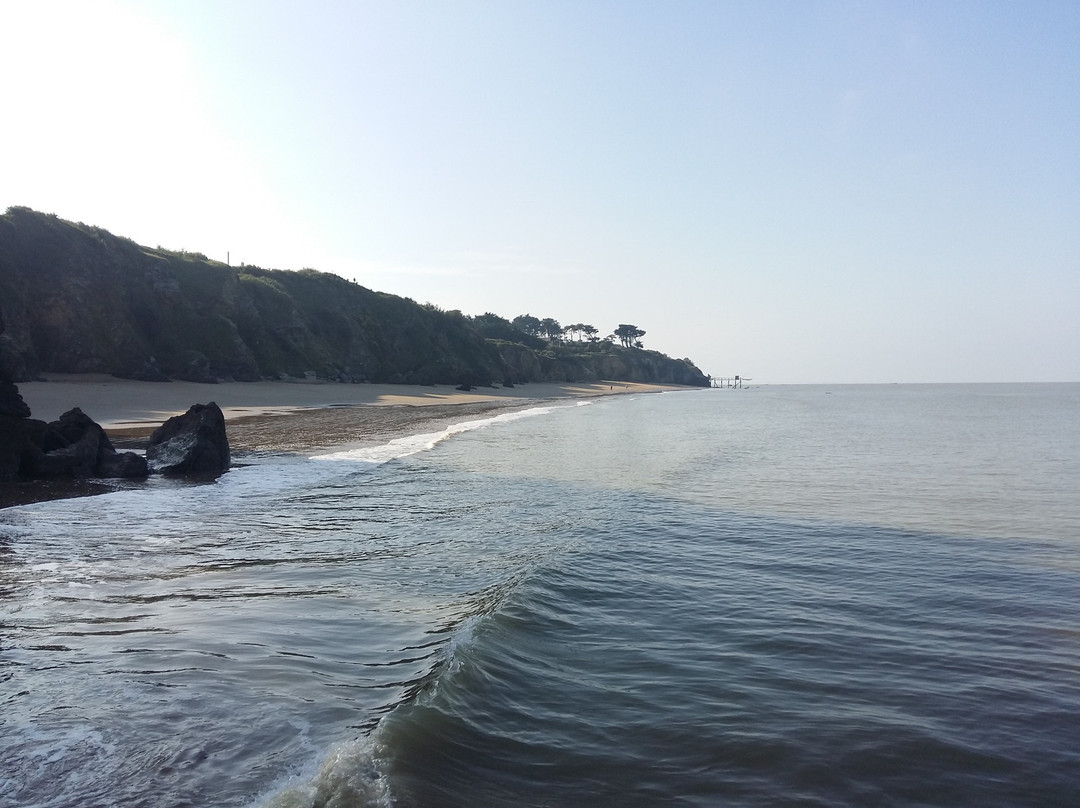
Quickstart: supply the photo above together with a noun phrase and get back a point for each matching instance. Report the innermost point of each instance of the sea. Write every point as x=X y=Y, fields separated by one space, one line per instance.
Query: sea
x=771 y=596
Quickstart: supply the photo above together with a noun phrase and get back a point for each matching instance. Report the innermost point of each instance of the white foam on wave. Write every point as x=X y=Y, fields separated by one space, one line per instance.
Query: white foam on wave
x=414 y=444
x=350 y=775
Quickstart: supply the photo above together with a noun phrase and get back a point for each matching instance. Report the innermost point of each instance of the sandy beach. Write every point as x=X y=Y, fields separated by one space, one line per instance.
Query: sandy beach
x=291 y=416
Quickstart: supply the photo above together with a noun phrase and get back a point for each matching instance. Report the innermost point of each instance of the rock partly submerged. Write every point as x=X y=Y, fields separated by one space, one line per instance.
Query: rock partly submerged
x=75 y=447
x=192 y=443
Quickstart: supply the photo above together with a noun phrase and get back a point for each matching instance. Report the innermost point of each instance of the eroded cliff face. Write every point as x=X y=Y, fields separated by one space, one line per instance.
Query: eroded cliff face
x=78 y=299
x=656 y=368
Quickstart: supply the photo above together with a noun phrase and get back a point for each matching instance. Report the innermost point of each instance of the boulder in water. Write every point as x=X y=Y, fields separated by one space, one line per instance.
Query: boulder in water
x=122 y=464
x=192 y=443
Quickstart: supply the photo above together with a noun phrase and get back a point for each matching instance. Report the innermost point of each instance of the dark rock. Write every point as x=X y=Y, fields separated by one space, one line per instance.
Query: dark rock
x=75 y=446
x=192 y=443
x=71 y=427
x=77 y=459
x=11 y=402
x=32 y=433
x=67 y=447
x=13 y=445
x=122 y=464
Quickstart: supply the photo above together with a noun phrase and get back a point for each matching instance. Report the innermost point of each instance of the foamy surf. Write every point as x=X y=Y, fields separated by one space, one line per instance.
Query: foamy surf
x=349 y=777
x=414 y=444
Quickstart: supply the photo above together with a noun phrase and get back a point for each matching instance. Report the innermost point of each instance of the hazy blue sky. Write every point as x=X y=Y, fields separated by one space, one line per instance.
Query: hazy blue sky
x=793 y=191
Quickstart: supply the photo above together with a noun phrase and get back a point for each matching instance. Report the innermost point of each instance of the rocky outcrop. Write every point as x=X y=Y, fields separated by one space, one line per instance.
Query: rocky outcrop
x=192 y=443
x=75 y=446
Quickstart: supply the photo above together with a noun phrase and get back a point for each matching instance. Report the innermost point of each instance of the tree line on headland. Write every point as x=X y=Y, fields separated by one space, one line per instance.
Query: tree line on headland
x=628 y=335
x=77 y=299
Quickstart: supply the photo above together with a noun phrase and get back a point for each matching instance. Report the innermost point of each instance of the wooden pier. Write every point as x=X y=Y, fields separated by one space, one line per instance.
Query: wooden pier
x=728 y=382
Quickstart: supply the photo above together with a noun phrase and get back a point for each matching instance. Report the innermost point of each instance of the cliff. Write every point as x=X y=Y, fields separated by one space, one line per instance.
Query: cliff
x=77 y=299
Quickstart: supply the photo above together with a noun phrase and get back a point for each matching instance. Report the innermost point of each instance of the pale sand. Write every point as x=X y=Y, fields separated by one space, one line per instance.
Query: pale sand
x=134 y=408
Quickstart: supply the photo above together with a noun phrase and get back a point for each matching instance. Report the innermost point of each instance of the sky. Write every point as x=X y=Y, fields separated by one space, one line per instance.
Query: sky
x=795 y=191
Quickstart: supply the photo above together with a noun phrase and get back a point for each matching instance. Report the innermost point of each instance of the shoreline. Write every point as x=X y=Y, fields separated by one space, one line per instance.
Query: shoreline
x=122 y=404
x=275 y=417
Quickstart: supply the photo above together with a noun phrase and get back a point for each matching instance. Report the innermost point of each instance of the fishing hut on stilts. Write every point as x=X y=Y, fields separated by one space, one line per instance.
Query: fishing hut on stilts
x=728 y=382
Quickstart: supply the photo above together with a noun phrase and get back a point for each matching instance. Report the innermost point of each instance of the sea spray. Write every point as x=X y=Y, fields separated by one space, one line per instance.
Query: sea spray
x=349 y=777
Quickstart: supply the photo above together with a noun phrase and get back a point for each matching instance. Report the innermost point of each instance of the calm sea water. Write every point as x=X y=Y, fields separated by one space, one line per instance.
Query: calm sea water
x=820 y=596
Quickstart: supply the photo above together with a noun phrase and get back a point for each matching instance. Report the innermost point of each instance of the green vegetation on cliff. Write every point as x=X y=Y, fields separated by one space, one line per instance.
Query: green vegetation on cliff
x=77 y=299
